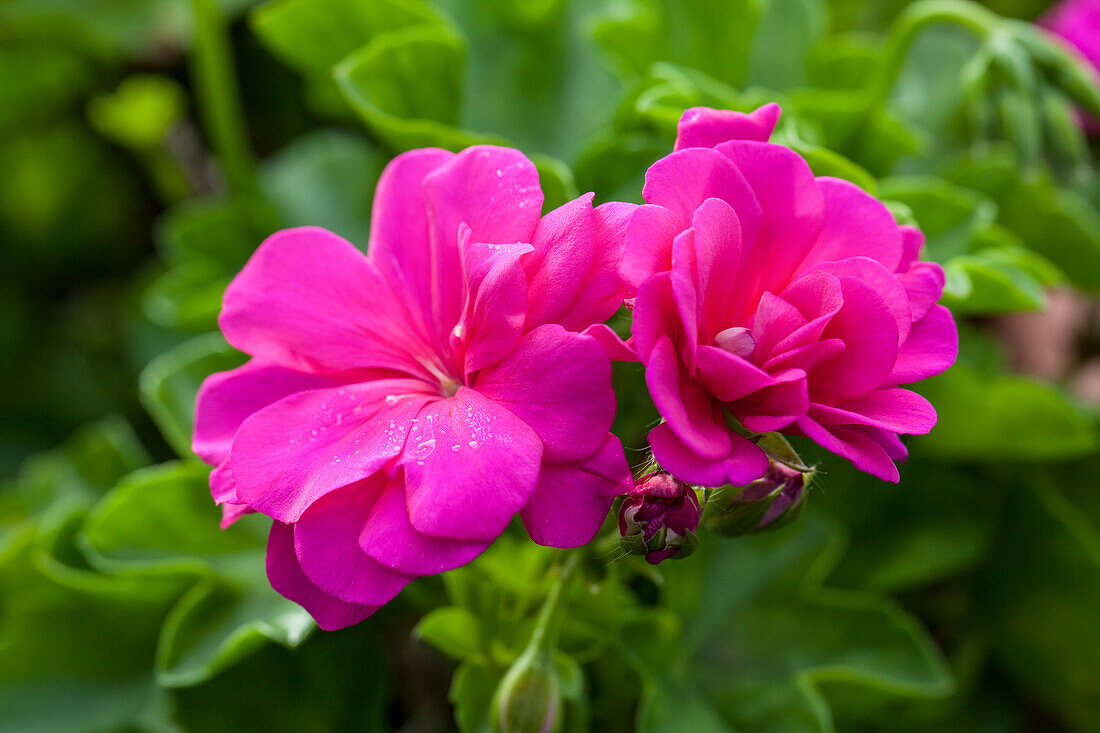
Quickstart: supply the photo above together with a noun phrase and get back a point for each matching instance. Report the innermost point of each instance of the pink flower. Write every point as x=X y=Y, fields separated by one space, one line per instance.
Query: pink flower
x=1078 y=22
x=401 y=407
x=791 y=302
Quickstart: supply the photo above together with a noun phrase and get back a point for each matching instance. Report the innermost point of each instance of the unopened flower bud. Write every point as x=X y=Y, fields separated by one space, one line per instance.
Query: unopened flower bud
x=528 y=699
x=658 y=518
x=767 y=503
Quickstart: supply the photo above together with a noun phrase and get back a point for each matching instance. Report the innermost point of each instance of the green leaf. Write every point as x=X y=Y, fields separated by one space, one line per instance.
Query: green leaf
x=757 y=601
x=1002 y=418
x=984 y=283
x=793 y=26
x=950 y=216
x=471 y=693
x=453 y=630
x=162 y=519
x=140 y=112
x=377 y=80
x=170 y=382
x=325 y=178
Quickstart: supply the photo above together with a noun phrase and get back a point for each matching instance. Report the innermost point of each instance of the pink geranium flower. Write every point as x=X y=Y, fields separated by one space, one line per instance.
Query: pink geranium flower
x=790 y=302
x=401 y=407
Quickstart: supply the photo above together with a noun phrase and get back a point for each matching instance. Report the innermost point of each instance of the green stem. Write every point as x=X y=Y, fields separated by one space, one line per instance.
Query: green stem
x=545 y=634
x=219 y=99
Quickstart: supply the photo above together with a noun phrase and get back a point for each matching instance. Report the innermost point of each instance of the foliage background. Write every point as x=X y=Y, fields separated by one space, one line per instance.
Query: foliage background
x=149 y=146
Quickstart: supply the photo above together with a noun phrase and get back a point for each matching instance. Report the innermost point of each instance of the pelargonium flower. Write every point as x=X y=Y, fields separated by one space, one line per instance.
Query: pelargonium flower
x=792 y=303
x=1078 y=22
x=658 y=518
x=401 y=407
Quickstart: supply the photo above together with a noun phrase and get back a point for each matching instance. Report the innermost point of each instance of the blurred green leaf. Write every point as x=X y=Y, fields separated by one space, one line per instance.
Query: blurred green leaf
x=1002 y=418
x=453 y=630
x=140 y=112
x=950 y=216
x=793 y=26
x=170 y=382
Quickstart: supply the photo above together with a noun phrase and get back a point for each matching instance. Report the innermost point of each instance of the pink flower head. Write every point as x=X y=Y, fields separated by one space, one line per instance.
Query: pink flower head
x=1078 y=22
x=791 y=302
x=661 y=515
x=401 y=407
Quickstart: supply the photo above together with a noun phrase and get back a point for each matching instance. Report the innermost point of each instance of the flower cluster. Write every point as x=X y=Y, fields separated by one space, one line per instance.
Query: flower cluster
x=401 y=407
x=789 y=302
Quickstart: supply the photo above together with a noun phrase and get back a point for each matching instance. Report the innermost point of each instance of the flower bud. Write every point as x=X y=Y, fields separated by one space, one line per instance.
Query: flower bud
x=528 y=699
x=767 y=503
x=658 y=518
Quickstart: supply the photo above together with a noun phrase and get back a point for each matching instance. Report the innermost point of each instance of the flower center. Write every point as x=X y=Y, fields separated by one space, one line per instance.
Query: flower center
x=736 y=340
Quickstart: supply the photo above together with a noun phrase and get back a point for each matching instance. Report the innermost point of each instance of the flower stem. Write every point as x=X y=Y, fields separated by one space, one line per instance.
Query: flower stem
x=545 y=635
x=219 y=100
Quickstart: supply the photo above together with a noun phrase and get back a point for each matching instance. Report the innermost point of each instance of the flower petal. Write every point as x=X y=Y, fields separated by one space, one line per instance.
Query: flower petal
x=558 y=383
x=682 y=181
x=389 y=537
x=495 y=192
x=602 y=290
x=287 y=578
x=931 y=348
x=870 y=335
x=399 y=240
x=496 y=302
x=326 y=541
x=564 y=244
x=310 y=301
x=227 y=399
x=702 y=127
x=571 y=500
x=856 y=224
x=793 y=210
x=865 y=453
x=689 y=410
x=290 y=454
x=648 y=246
x=744 y=462
x=470 y=465
x=893 y=409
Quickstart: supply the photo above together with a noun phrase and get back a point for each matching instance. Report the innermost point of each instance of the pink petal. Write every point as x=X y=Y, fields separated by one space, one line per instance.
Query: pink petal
x=648 y=247
x=776 y=407
x=616 y=348
x=717 y=258
x=326 y=541
x=287 y=578
x=399 y=241
x=222 y=485
x=470 y=465
x=775 y=319
x=702 y=127
x=226 y=399
x=793 y=210
x=893 y=409
x=923 y=283
x=729 y=377
x=685 y=179
x=864 y=452
x=559 y=384
x=495 y=191
x=496 y=303
x=656 y=314
x=912 y=242
x=571 y=500
x=682 y=277
x=856 y=224
x=870 y=335
x=290 y=454
x=309 y=301
x=232 y=512
x=689 y=410
x=882 y=280
x=743 y=463
x=390 y=538
x=564 y=245
x=931 y=348
x=602 y=290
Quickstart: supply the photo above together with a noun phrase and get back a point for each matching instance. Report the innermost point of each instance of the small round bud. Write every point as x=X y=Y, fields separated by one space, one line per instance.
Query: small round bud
x=658 y=518
x=767 y=503
x=528 y=699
